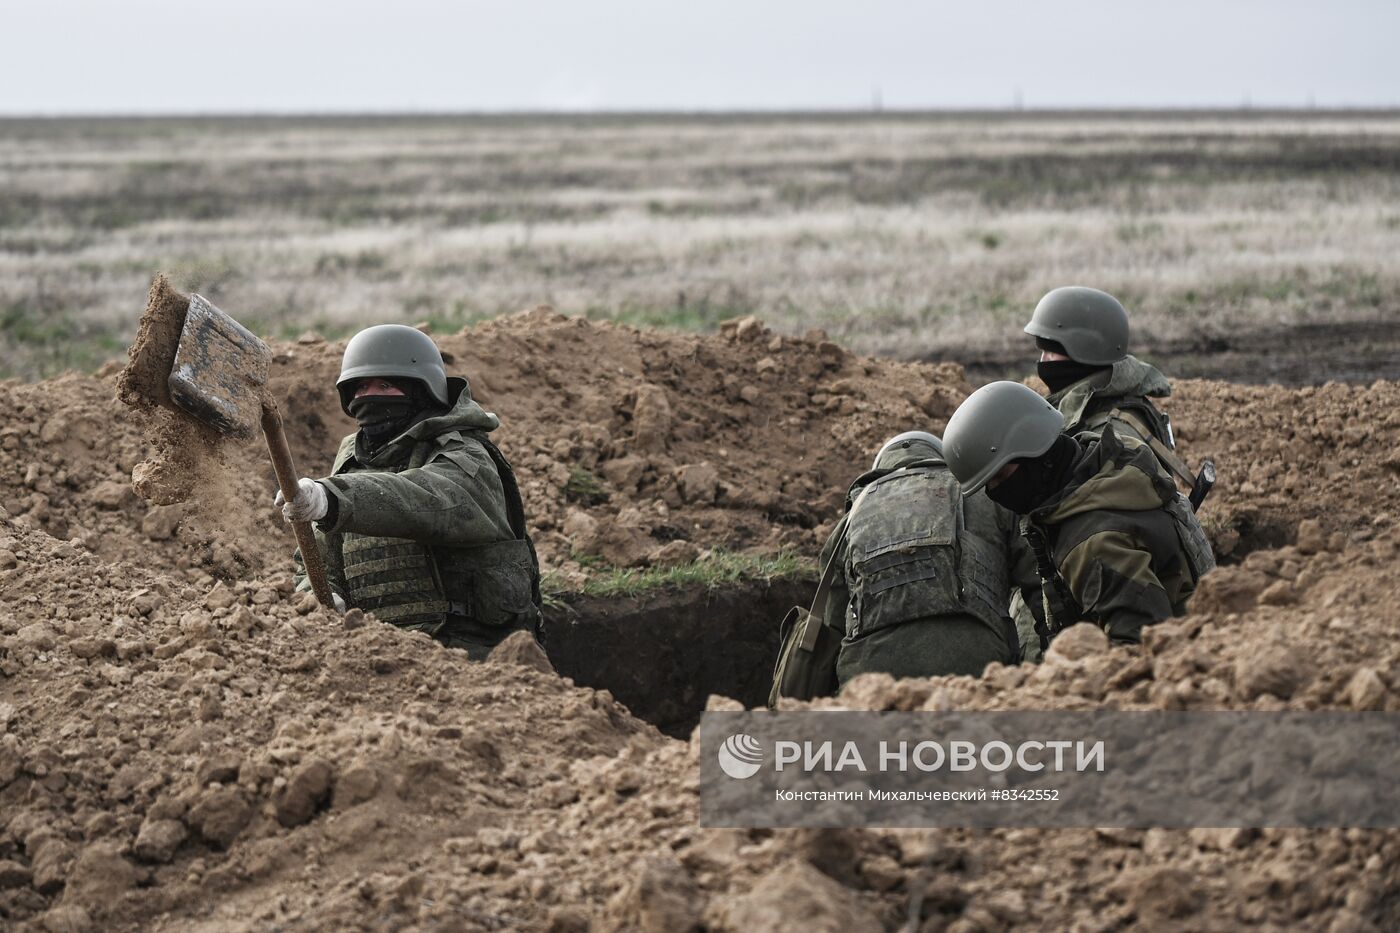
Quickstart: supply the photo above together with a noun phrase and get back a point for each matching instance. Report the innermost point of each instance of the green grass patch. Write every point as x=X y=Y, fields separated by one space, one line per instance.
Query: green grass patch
x=366 y=264
x=37 y=343
x=1302 y=290
x=451 y=319
x=719 y=569
x=990 y=239
x=584 y=487
x=1134 y=232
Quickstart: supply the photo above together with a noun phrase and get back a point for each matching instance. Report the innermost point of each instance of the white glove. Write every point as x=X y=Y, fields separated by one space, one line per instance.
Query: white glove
x=339 y=603
x=308 y=505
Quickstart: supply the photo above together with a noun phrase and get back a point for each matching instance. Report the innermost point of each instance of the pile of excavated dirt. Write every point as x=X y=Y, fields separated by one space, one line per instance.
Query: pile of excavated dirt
x=625 y=442
x=184 y=747
x=181 y=757
x=637 y=447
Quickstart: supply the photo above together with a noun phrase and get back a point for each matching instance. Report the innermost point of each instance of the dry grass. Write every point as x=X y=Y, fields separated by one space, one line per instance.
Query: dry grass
x=903 y=234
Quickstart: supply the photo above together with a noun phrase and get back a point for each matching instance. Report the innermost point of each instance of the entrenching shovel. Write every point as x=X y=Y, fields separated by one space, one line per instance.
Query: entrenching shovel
x=219 y=377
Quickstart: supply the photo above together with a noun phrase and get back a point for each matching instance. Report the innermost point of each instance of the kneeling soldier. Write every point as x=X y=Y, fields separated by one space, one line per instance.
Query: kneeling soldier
x=420 y=521
x=1114 y=542
x=924 y=587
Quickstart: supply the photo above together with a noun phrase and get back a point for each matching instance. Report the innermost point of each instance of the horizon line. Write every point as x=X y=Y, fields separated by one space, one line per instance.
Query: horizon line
x=1249 y=109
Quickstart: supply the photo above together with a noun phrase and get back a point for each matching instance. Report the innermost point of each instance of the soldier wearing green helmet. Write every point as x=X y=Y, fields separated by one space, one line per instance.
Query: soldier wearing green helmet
x=924 y=572
x=1082 y=334
x=420 y=520
x=1114 y=542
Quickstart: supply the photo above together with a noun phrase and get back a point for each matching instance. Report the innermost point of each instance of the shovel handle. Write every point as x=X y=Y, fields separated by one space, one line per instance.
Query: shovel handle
x=287 y=479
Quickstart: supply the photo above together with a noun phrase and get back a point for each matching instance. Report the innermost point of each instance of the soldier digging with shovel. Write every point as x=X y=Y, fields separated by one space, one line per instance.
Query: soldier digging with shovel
x=420 y=520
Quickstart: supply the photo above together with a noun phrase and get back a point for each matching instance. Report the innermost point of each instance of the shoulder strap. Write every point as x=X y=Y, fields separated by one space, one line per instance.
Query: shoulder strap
x=515 y=506
x=818 y=610
x=1169 y=457
x=515 y=514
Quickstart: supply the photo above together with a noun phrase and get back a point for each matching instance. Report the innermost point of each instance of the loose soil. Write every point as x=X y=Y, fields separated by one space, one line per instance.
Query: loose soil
x=185 y=746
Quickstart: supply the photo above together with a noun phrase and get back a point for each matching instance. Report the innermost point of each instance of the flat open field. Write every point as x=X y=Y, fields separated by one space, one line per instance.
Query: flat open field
x=1246 y=245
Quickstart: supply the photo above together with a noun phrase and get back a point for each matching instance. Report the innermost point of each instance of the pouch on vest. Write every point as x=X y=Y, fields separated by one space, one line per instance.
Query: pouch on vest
x=496 y=586
x=806 y=665
x=491 y=584
x=1193 y=537
x=807 y=648
x=902 y=550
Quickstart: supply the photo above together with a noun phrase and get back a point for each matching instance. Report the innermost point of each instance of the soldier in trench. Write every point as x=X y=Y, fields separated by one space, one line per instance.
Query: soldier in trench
x=925 y=570
x=420 y=520
x=1082 y=335
x=1113 y=541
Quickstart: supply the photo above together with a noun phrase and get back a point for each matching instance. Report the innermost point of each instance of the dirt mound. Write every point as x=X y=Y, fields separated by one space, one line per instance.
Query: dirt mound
x=174 y=757
x=181 y=752
x=627 y=441
x=744 y=439
x=1286 y=456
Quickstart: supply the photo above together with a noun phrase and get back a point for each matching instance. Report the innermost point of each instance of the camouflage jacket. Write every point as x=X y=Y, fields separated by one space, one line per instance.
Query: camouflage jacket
x=454 y=499
x=1088 y=404
x=1112 y=541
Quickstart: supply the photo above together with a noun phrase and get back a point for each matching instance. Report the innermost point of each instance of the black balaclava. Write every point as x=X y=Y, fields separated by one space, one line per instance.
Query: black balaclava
x=1061 y=374
x=384 y=417
x=1037 y=478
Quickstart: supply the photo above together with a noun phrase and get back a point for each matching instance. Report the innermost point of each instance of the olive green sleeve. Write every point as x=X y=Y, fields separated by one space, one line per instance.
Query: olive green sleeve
x=454 y=500
x=1110 y=574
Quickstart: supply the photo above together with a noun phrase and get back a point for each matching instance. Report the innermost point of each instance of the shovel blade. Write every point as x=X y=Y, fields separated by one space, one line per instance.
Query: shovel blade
x=220 y=371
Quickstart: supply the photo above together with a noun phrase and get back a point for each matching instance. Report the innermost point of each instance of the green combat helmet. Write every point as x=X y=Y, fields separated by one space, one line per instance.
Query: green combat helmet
x=911 y=445
x=1000 y=422
x=392 y=351
x=1091 y=325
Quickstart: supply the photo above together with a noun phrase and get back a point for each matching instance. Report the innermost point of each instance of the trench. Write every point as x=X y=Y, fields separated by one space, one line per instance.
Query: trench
x=663 y=654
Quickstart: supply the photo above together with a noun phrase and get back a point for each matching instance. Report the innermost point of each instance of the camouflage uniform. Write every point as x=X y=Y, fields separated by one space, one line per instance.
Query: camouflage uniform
x=1119 y=396
x=1118 y=545
x=931 y=609
x=1106 y=397
x=427 y=532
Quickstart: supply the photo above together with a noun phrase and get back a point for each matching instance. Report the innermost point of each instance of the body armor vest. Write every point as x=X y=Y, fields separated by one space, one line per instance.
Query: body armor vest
x=909 y=555
x=478 y=590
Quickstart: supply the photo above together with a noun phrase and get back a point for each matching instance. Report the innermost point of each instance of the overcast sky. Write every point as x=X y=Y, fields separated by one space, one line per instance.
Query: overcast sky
x=208 y=56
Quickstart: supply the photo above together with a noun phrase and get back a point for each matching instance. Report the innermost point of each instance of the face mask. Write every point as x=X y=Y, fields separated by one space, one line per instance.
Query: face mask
x=1037 y=478
x=1019 y=492
x=382 y=417
x=1061 y=374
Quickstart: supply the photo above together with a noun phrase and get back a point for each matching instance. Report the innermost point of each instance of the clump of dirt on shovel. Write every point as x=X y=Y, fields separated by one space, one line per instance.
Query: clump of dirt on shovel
x=187 y=452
